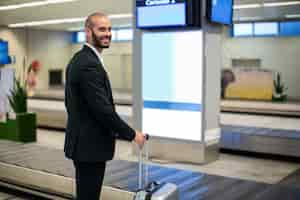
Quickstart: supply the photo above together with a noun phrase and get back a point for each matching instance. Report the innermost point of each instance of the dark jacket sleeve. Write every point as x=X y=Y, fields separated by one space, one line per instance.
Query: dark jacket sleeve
x=92 y=87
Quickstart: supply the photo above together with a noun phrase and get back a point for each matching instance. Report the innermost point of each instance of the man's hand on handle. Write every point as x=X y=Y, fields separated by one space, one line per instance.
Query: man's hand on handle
x=140 y=139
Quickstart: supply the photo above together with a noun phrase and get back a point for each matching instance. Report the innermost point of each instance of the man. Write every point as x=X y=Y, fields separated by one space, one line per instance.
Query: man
x=92 y=120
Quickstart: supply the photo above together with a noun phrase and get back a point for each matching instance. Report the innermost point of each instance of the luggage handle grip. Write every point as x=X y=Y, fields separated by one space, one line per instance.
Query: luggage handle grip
x=142 y=182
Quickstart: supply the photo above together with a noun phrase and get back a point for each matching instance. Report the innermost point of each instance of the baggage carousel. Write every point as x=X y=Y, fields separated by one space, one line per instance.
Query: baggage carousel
x=52 y=113
x=288 y=109
x=261 y=140
x=44 y=171
x=121 y=97
x=124 y=98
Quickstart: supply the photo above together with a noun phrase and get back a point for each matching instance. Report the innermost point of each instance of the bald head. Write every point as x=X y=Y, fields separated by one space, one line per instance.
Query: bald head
x=89 y=22
x=98 y=30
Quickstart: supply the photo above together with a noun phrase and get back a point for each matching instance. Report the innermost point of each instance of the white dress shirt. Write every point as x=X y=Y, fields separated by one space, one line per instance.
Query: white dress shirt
x=96 y=52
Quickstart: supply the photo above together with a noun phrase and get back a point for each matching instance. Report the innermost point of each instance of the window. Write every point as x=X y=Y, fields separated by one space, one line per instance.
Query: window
x=288 y=28
x=265 y=28
x=124 y=34
x=117 y=35
x=245 y=29
x=113 y=35
x=81 y=37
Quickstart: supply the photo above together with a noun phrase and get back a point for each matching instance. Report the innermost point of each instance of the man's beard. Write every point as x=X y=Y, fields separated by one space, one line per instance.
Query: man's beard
x=97 y=41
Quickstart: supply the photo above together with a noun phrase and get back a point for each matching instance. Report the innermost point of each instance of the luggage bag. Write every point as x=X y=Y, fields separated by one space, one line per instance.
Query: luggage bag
x=153 y=190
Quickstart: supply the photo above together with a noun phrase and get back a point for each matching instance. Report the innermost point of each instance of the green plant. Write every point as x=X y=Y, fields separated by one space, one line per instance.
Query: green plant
x=18 y=98
x=279 y=85
x=279 y=89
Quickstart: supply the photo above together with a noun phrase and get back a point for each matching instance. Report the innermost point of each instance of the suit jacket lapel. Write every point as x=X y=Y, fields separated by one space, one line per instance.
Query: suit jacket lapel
x=101 y=68
x=108 y=86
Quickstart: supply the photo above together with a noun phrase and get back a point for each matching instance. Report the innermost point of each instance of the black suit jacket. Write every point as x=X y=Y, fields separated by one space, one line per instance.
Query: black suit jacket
x=92 y=120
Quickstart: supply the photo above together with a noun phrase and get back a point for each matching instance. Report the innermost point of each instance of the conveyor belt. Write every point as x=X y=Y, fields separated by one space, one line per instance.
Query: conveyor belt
x=120 y=98
x=46 y=170
x=290 y=108
x=52 y=114
x=261 y=140
x=10 y=194
x=292 y=180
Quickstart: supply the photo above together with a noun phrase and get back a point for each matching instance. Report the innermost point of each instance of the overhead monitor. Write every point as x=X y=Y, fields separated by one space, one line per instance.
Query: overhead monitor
x=4 y=57
x=153 y=14
x=220 y=11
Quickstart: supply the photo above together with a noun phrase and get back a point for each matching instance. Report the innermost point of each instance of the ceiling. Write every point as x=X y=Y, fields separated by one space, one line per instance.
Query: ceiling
x=81 y=8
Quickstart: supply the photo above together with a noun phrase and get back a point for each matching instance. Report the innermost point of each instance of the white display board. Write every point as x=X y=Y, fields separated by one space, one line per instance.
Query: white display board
x=172 y=84
x=6 y=85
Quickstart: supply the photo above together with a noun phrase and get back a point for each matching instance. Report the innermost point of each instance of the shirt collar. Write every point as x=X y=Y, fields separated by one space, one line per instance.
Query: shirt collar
x=95 y=51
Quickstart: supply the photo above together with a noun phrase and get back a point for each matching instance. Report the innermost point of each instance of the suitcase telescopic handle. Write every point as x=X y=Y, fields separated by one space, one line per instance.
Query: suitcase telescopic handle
x=143 y=170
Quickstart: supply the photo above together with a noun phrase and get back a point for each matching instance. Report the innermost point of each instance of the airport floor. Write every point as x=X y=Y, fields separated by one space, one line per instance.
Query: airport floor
x=247 y=168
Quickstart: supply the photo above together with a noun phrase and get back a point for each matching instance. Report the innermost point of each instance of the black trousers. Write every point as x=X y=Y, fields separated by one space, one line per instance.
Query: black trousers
x=89 y=180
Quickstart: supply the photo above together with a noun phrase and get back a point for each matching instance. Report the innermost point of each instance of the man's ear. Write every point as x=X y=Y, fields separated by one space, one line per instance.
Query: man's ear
x=88 y=32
